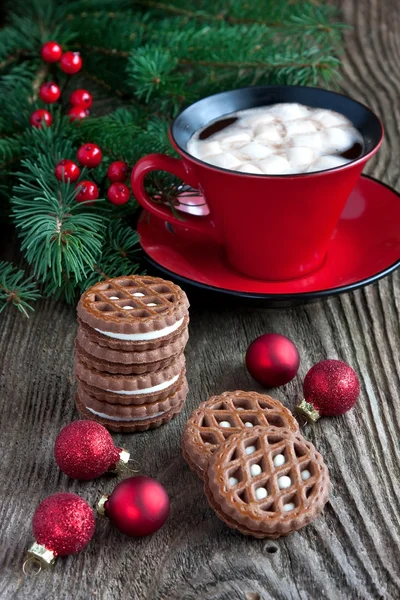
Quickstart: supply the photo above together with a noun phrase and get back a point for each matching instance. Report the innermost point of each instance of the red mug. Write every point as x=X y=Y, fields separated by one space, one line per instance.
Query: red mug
x=272 y=227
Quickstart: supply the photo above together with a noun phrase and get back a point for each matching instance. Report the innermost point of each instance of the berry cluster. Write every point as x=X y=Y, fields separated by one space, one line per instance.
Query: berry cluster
x=50 y=92
x=90 y=156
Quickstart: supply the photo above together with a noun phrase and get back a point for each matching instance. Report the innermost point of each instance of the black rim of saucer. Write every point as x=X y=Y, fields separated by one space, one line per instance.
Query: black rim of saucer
x=297 y=296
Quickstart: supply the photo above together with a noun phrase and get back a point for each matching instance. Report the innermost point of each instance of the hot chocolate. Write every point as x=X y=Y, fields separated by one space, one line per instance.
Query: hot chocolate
x=278 y=139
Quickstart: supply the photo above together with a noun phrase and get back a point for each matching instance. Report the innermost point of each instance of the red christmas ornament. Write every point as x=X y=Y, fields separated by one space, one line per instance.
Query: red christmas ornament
x=138 y=506
x=63 y=524
x=51 y=52
x=49 y=92
x=71 y=62
x=272 y=360
x=118 y=193
x=77 y=113
x=87 y=191
x=89 y=155
x=81 y=98
x=85 y=450
x=67 y=170
x=117 y=171
x=331 y=388
x=40 y=116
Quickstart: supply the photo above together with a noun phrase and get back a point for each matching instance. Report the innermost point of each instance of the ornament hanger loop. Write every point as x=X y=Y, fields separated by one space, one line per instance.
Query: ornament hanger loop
x=34 y=569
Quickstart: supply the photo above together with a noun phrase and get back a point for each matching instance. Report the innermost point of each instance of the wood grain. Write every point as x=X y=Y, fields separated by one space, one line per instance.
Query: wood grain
x=352 y=551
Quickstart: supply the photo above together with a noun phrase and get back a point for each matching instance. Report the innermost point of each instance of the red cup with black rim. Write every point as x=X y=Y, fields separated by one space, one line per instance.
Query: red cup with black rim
x=272 y=227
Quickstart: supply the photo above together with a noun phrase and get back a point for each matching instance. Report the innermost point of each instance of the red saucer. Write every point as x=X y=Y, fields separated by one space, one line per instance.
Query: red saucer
x=364 y=248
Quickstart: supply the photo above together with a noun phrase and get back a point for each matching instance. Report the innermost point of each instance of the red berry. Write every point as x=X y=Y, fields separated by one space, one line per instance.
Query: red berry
x=117 y=171
x=51 y=52
x=49 y=92
x=89 y=155
x=81 y=98
x=118 y=193
x=67 y=170
x=78 y=112
x=40 y=116
x=87 y=191
x=71 y=62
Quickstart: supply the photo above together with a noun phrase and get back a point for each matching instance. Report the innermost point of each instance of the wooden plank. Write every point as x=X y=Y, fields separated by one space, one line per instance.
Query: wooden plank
x=352 y=551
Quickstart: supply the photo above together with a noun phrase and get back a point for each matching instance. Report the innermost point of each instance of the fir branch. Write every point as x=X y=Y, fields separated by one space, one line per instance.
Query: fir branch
x=16 y=289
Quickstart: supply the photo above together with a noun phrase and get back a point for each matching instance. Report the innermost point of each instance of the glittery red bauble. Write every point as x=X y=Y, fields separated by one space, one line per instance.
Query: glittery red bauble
x=85 y=450
x=118 y=193
x=67 y=170
x=331 y=387
x=117 y=171
x=272 y=360
x=41 y=117
x=71 y=62
x=81 y=98
x=49 y=92
x=78 y=112
x=138 y=506
x=87 y=190
x=63 y=523
x=89 y=155
x=51 y=52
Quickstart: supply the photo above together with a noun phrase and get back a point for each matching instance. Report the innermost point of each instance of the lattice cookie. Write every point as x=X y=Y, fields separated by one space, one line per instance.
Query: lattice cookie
x=276 y=489
x=222 y=416
x=133 y=424
x=134 y=308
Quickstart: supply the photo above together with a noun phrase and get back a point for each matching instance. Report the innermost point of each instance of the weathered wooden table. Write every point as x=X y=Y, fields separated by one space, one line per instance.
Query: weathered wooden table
x=352 y=551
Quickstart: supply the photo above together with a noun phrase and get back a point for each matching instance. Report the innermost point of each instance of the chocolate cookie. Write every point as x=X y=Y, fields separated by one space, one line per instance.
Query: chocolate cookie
x=125 y=362
x=222 y=416
x=130 y=389
x=135 y=424
x=277 y=488
x=141 y=310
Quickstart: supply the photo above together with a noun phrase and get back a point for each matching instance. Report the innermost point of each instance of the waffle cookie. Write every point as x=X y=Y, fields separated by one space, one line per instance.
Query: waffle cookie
x=132 y=422
x=222 y=416
x=130 y=389
x=126 y=362
x=272 y=491
x=134 y=312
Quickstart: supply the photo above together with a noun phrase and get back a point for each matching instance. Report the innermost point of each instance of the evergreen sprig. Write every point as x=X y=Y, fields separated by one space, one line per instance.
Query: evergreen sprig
x=16 y=288
x=145 y=60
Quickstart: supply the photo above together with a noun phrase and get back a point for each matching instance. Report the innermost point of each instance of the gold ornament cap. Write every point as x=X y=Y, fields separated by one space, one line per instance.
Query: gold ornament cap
x=122 y=465
x=39 y=555
x=306 y=409
x=100 y=507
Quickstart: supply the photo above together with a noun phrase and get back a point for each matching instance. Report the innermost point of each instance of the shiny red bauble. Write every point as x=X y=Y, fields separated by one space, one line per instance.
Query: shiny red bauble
x=81 y=98
x=118 y=193
x=85 y=450
x=272 y=360
x=331 y=388
x=49 y=92
x=89 y=155
x=87 y=190
x=67 y=170
x=138 y=506
x=78 y=112
x=71 y=62
x=117 y=171
x=51 y=52
x=41 y=117
x=63 y=523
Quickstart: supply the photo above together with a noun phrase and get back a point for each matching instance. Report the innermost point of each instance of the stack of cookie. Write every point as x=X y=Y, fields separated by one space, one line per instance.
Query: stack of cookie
x=130 y=365
x=260 y=475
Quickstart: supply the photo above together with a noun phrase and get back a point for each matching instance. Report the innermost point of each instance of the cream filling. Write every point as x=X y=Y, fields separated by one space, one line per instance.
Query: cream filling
x=112 y=418
x=137 y=337
x=150 y=390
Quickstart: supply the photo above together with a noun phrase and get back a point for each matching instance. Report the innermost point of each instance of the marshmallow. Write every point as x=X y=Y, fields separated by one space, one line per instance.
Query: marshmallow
x=314 y=140
x=271 y=134
x=254 y=151
x=289 y=111
x=300 y=126
x=249 y=168
x=327 y=162
x=329 y=118
x=274 y=165
x=300 y=158
x=339 y=140
x=227 y=160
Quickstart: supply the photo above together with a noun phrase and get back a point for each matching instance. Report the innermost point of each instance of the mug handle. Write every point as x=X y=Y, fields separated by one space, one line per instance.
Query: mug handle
x=162 y=162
